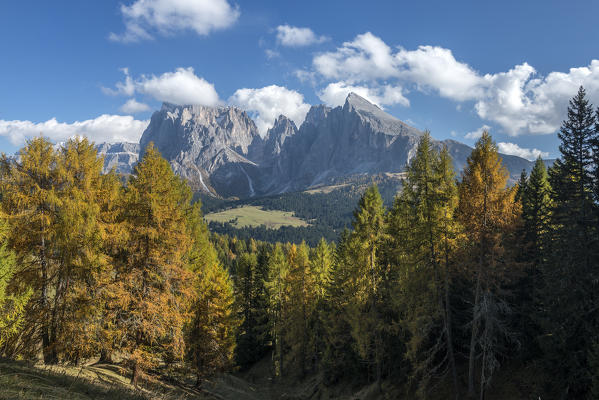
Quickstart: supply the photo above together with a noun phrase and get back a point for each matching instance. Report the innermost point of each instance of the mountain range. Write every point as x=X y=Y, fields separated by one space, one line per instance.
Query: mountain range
x=220 y=151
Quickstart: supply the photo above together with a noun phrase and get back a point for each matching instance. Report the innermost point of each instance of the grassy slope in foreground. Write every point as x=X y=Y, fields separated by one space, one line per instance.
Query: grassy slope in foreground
x=256 y=216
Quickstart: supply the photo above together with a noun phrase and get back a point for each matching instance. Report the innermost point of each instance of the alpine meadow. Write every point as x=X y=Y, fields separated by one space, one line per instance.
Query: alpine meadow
x=244 y=244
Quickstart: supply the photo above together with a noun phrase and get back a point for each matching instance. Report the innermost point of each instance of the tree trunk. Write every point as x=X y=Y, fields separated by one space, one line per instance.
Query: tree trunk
x=448 y=326
x=471 y=358
x=135 y=375
x=47 y=345
x=105 y=357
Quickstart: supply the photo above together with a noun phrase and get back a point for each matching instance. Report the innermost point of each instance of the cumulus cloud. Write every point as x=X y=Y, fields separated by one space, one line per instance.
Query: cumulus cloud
x=145 y=18
x=132 y=106
x=522 y=102
x=477 y=133
x=179 y=87
x=269 y=102
x=335 y=94
x=294 y=36
x=105 y=128
x=518 y=100
x=515 y=150
x=365 y=58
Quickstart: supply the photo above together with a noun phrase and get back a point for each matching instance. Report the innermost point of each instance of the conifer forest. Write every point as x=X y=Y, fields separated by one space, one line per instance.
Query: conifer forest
x=464 y=281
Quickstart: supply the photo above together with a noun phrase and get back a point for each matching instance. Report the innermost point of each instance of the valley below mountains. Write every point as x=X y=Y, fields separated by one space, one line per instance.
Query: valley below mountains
x=220 y=151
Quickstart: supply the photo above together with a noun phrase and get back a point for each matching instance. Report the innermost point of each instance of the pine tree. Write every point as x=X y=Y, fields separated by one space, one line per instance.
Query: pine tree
x=152 y=290
x=488 y=212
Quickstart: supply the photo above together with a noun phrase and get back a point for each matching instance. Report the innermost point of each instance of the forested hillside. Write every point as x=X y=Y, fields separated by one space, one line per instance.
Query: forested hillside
x=460 y=287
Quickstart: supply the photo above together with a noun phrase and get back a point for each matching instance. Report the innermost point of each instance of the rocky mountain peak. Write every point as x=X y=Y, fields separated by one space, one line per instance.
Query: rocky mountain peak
x=282 y=129
x=120 y=156
x=379 y=120
x=316 y=114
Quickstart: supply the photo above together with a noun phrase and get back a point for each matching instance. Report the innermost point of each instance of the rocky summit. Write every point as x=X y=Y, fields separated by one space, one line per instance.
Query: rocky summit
x=220 y=152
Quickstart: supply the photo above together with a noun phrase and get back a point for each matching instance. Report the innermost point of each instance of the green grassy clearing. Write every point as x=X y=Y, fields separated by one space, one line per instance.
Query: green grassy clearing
x=255 y=216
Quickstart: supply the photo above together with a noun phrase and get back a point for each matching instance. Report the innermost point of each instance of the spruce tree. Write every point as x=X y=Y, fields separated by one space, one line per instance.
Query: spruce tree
x=569 y=302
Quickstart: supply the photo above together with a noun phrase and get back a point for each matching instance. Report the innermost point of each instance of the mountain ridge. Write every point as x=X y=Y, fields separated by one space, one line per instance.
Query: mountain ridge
x=221 y=153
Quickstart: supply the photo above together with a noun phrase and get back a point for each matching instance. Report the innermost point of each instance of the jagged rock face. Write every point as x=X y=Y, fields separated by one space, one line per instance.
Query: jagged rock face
x=354 y=139
x=209 y=146
x=120 y=156
x=219 y=150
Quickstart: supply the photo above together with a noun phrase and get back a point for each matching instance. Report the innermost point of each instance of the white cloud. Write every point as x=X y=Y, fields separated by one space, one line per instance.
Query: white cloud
x=132 y=106
x=477 y=133
x=515 y=150
x=335 y=94
x=105 y=128
x=436 y=68
x=179 y=87
x=293 y=36
x=521 y=102
x=145 y=18
x=518 y=100
x=366 y=58
x=269 y=102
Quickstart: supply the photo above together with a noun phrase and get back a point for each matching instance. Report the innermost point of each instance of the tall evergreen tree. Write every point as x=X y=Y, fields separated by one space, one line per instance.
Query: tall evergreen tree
x=340 y=358
x=210 y=334
x=569 y=300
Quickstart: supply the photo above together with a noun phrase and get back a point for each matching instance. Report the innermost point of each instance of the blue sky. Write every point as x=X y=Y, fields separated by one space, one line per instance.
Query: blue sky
x=100 y=68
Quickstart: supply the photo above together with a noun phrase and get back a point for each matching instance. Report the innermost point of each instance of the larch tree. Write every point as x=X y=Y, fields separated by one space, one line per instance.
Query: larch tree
x=369 y=234
x=85 y=269
x=488 y=212
x=12 y=306
x=298 y=306
x=31 y=201
x=153 y=289
x=278 y=269
x=424 y=212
